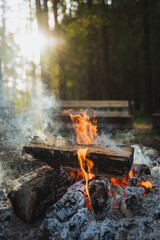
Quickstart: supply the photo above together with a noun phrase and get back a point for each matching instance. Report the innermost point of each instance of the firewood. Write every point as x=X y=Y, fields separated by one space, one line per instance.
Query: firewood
x=99 y=197
x=140 y=170
x=33 y=192
x=108 y=161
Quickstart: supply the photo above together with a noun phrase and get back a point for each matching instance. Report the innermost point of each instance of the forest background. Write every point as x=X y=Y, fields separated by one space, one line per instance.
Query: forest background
x=80 y=50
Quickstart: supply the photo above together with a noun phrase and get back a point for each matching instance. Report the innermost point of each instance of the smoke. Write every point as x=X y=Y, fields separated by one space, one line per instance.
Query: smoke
x=144 y=155
x=148 y=156
x=105 y=140
x=40 y=119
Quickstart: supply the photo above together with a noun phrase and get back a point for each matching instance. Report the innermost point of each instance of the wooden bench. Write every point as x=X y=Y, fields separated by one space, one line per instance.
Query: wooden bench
x=108 y=113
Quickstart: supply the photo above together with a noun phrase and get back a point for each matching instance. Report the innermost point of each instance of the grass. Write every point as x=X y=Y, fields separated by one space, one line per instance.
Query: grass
x=142 y=121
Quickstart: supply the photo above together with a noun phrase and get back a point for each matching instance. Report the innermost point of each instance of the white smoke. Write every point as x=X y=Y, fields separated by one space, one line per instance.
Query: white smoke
x=148 y=156
x=39 y=119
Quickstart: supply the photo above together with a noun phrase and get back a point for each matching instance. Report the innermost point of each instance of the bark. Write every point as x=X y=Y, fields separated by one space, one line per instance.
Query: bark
x=45 y=14
x=38 y=13
x=33 y=193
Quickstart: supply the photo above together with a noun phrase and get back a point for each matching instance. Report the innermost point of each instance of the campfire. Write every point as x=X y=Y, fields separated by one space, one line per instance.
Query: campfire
x=108 y=172
x=86 y=134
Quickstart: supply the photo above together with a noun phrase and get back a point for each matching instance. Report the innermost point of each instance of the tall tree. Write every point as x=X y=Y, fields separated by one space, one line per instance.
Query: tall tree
x=55 y=9
x=104 y=52
x=42 y=20
x=147 y=58
x=91 y=67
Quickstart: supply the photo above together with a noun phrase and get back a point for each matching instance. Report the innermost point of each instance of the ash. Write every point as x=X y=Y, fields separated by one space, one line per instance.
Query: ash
x=69 y=218
x=130 y=218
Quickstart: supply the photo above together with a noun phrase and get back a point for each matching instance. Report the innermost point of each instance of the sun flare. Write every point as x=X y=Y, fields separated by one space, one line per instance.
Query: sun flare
x=31 y=44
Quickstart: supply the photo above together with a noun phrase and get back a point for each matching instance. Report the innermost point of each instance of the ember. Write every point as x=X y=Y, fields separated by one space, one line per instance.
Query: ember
x=125 y=182
x=146 y=184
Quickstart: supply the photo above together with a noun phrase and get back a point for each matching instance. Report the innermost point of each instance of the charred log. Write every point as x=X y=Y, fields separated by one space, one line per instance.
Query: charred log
x=107 y=161
x=99 y=197
x=33 y=193
x=140 y=170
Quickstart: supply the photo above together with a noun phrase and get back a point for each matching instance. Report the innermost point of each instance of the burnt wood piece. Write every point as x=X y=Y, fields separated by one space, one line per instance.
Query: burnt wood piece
x=140 y=170
x=99 y=197
x=33 y=193
x=107 y=161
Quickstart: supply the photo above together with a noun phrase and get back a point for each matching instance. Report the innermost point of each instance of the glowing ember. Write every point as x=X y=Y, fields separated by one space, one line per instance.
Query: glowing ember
x=124 y=182
x=146 y=184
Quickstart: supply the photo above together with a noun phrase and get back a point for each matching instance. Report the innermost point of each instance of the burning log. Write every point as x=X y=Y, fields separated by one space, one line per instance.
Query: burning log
x=99 y=197
x=32 y=193
x=106 y=160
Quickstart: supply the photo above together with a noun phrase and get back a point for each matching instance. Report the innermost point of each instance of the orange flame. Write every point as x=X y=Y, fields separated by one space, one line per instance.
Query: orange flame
x=85 y=127
x=146 y=184
x=83 y=161
x=86 y=133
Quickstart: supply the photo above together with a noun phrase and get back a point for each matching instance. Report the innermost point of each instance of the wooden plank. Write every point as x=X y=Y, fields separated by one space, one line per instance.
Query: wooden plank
x=110 y=161
x=94 y=104
x=112 y=114
x=102 y=114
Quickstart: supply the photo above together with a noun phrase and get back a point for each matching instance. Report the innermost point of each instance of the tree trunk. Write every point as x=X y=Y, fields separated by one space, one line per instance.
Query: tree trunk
x=91 y=68
x=42 y=20
x=104 y=54
x=55 y=2
x=147 y=59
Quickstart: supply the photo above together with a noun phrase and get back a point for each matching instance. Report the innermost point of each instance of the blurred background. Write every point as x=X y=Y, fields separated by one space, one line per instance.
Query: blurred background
x=80 y=50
